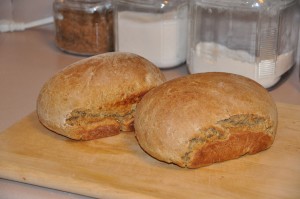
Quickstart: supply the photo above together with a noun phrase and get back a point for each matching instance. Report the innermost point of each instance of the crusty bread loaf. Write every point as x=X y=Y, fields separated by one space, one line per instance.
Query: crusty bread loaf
x=97 y=96
x=202 y=119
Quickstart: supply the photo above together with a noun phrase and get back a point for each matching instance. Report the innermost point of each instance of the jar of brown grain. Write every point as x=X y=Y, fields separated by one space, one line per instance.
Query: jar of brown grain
x=84 y=27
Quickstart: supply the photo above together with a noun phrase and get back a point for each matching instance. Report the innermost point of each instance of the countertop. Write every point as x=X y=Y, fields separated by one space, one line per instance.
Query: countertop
x=29 y=58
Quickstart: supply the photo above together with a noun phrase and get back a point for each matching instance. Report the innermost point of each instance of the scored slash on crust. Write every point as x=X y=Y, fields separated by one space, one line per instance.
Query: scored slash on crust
x=215 y=139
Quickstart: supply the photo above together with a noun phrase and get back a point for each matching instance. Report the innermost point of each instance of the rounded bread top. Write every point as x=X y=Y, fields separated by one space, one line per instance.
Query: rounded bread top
x=169 y=116
x=103 y=82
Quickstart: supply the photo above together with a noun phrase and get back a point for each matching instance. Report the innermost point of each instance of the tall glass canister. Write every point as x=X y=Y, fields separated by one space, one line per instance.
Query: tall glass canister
x=253 y=38
x=154 y=29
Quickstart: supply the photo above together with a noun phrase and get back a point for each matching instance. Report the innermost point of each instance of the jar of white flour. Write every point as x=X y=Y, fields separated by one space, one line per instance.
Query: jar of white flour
x=154 y=29
x=253 y=38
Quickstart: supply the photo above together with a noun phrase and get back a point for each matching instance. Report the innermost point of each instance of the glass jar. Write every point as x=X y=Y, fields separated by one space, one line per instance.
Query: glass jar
x=253 y=38
x=154 y=29
x=84 y=27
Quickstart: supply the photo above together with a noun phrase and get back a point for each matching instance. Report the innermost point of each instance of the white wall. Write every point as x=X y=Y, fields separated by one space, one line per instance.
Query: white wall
x=25 y=10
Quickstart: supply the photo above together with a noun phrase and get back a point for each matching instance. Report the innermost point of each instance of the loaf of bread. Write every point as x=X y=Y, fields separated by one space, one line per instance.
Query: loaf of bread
x=97 y=96
x=201 y=119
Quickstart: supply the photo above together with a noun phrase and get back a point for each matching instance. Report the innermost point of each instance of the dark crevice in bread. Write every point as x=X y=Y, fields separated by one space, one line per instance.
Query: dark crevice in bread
x=132 y=99
x=79 y=117
x=203 y=136
x=87 y=116
x=247 y=122
x=224 y=129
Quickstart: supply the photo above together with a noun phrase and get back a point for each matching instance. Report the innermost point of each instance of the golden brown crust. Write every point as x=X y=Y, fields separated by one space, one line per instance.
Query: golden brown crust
x=96 y=97
x=238 y=144
x=201 y=119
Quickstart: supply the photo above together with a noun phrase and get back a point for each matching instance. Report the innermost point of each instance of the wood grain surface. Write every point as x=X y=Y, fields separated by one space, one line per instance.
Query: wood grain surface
x=116 y=167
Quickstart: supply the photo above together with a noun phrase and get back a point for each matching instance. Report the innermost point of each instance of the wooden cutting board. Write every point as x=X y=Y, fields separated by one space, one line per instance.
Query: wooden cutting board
x=116 y=167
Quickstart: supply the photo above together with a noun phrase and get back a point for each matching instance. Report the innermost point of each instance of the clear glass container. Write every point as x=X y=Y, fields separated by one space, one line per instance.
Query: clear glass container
x=253 y=38
x=84 y=27
x=154 y=29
